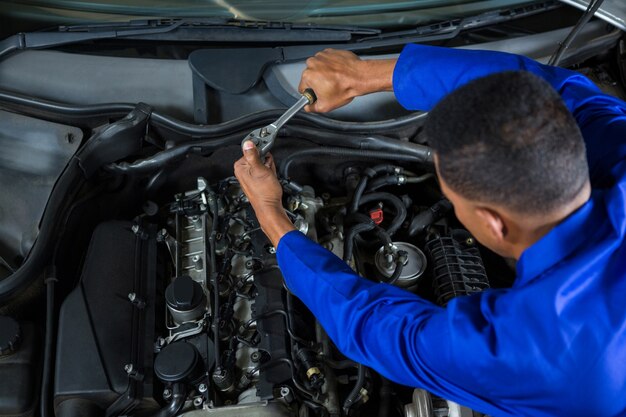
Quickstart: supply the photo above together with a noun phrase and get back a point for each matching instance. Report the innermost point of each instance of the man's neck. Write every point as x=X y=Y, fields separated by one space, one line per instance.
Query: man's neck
x=540 y=227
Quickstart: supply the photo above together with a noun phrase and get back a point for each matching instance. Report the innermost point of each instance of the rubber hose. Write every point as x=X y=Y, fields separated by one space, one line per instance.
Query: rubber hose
x=179 y=394
x=398 y=205
x=368 y=174
x=343 y=152
x=396 y=273
x=348 y=242
x=354 y=394
x=190 y=129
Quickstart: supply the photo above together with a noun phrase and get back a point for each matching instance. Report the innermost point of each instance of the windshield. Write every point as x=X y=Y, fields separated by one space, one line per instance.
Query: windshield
x=367 y=13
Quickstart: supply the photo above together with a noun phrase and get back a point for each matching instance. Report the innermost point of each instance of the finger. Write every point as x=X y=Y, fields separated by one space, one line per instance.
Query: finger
x=269 y=162
x=251 y=154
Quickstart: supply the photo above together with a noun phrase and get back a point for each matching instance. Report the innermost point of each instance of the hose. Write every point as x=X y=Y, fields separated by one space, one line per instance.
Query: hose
x=396 y=272
x=179 y=394
x=352 y=153
x=397 y=180
x=361 y=223
x=398 y=205
x=385 y=397
x=427 y=217
x=205 y=131
x=356 y=391
x=368 y=174
x=48 y=361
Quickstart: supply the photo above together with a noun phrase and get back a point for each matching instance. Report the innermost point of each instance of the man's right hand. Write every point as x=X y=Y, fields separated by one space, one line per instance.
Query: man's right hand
x=337 y=77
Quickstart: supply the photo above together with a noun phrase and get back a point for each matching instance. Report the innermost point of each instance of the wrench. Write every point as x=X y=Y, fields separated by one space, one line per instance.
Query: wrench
x=264 y=137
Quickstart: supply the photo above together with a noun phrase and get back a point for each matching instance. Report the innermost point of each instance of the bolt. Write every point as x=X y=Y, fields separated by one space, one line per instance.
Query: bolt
x=132 y=296
x=469 y=241
x=271 y=250
x=264 y=132
x=202 y=184
x=129 y=368
x=255 y=357
x=284 y=391
x=135 y=229
x=167 y=394
x=202 y=388
x=197 y=402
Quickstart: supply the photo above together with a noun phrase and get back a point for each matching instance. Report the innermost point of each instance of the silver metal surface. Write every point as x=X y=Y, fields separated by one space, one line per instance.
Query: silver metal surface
x=264 y=137
x=421 y=406
x=413 y=268
x=180 y=316
x=259 y=409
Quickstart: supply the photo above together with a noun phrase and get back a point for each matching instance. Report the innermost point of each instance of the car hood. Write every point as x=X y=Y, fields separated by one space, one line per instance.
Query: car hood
x=613 y=11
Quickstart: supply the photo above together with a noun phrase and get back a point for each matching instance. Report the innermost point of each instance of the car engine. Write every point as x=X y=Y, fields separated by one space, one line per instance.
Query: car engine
x=224 y=336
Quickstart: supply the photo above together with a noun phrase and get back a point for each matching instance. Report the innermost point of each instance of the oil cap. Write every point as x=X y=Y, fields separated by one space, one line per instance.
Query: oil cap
x=10 y=336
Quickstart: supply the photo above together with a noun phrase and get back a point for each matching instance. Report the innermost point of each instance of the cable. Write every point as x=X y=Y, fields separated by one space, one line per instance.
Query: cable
x=593 y=6
x=48 y=361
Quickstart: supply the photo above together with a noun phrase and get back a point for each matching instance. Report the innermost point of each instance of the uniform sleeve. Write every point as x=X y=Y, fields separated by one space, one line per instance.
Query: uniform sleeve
x=425 y=74
x=402 y=336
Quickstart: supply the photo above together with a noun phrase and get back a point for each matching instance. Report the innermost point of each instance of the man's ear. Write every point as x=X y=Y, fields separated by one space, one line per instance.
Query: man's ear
x=493 y=222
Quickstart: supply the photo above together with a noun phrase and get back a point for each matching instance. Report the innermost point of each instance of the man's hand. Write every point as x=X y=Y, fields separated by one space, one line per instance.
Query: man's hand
x=259 y=182
x=337 y=77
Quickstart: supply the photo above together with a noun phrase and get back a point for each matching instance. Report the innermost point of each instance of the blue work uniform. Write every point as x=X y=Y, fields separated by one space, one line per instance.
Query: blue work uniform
x=552 y=345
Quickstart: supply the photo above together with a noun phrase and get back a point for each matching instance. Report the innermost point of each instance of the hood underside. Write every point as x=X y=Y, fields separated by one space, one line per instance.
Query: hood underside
x=612 y=11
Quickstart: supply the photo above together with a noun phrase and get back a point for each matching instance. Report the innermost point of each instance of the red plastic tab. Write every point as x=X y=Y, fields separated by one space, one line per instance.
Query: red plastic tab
x=377 y=215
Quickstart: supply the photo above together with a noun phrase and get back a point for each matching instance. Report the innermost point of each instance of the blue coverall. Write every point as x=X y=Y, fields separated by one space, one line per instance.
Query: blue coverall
x=552 y=345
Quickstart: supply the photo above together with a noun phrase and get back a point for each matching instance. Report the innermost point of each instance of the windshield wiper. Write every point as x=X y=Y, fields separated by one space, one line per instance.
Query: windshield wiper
x=452 y=28
x=208 y=29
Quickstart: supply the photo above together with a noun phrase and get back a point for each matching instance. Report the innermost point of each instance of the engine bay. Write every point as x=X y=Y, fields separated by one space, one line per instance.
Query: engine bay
x=224 y=335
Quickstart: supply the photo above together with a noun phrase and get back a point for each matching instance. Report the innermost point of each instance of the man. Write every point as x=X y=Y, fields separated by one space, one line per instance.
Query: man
x=510 y=154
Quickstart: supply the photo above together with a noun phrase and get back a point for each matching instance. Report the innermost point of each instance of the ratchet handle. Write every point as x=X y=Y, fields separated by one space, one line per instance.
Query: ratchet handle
x=310 y=95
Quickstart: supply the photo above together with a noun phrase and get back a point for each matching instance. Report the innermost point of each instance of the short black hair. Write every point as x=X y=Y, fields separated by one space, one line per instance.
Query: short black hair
x=509 y=139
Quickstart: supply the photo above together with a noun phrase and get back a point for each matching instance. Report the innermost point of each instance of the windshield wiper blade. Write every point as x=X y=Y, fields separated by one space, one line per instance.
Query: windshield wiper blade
x=183 y=30
x=451 y=28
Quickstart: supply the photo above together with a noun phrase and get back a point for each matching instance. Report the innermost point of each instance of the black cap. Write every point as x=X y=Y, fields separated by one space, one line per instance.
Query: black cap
x=184 y=294
x=10 y=335
x=176 y=362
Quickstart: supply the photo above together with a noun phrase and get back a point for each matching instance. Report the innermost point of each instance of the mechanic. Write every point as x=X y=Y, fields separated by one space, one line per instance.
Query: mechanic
x=510 y=155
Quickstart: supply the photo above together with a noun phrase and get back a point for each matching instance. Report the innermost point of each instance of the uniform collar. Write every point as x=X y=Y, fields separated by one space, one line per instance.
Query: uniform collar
x=560 y=242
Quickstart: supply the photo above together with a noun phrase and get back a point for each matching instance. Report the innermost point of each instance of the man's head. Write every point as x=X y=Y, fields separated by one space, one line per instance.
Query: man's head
x=510 y=157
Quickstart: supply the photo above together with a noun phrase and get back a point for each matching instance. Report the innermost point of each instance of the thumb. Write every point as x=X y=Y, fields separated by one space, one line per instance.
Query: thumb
x=251 y=154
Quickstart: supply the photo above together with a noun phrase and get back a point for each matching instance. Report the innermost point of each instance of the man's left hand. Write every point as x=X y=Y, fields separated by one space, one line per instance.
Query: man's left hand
x=259 y=182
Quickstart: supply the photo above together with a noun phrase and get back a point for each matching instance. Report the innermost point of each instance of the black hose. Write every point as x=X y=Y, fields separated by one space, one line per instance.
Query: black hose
x=427 y=217
x=592 y=8
x=397 y=204
x=385 y=397
x=351 y=234
x=179 y=394
x=217 y=130
x=356 y=391
x=345 y=364
x=424 y=157
x=368 y=174
x=48 y=358
x=396 y=272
